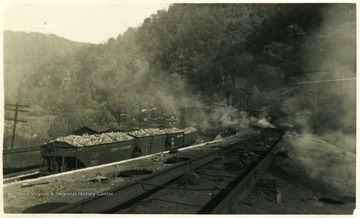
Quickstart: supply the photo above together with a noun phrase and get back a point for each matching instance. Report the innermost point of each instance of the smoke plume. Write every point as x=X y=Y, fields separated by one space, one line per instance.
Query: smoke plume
x=325 y=107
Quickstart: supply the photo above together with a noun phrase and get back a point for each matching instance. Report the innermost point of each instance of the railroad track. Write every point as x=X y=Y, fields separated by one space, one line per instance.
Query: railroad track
x=211 y=183
x=22 y=175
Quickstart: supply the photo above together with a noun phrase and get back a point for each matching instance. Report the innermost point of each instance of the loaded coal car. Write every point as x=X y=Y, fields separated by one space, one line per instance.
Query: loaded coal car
x=148 y=141
x=174 y=139
x=153 y=140
x=21 y=159
x=190 y=135
x=74 y=151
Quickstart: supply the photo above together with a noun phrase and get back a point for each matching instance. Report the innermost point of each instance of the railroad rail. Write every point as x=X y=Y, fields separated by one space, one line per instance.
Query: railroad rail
x=22 y=175
x=146 y=185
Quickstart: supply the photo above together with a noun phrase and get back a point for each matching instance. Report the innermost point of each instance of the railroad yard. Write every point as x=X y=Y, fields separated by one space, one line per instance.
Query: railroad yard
x=86 y=181
x=211 y=108
x=240 y=174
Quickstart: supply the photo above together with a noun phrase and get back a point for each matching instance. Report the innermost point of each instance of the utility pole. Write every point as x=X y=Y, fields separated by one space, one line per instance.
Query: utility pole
x=118 y=118
x=140 y=118
x=18 y=108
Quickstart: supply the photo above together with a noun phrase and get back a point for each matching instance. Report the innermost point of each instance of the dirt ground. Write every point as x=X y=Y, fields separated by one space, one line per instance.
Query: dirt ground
x=306 y=177
x=296 y=198
x=302 y=179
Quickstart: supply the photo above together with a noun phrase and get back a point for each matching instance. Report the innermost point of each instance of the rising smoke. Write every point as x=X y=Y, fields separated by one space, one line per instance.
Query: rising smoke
x=339 y=50
x=330 y=168
x=327 y=110
x=327 y=105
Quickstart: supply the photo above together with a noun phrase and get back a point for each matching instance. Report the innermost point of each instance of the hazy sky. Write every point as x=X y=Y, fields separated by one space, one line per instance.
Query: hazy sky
x=82 y=21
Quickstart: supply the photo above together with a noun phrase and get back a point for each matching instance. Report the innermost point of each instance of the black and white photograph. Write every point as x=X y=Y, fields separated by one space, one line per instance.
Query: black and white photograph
x=165 y=107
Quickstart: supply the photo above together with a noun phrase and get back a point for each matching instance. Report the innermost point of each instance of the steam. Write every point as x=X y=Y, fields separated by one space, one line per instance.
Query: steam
x=264 y=123
x=224 y=117
x=319 y=107
x=324 y=163
x=336 y=47
x=338 y=51
x=324 y=111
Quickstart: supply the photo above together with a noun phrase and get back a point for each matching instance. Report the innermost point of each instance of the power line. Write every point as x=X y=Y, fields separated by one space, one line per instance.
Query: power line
x=326 y=81
x=20 y=105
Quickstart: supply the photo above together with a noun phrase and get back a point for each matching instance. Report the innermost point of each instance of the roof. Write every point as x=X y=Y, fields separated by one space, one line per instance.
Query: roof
x=96 y=128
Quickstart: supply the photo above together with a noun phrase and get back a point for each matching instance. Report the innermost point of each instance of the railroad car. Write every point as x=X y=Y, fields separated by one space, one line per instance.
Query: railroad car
x=174 y=140
x=190 y=135
x=148 y=144
x=21 y=159
x=63 y=155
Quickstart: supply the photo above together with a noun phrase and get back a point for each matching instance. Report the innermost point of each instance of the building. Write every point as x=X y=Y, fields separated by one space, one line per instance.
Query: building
x=91 y=130
x=240 y=99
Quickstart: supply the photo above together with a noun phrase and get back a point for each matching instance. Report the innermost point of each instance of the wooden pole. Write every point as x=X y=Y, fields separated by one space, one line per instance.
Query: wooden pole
x=16 y=120
x=14 y=128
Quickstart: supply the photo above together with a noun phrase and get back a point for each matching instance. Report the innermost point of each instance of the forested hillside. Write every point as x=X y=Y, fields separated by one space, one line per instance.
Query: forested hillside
x=29 y=59
x=189 y=54
x=26 y=53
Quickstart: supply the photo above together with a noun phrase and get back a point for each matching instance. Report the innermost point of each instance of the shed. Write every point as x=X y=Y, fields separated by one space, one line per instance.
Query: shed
x=91 y=130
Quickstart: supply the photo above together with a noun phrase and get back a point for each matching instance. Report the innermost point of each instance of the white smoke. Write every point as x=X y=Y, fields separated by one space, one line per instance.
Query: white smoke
x=264 y=123
x=328 y=165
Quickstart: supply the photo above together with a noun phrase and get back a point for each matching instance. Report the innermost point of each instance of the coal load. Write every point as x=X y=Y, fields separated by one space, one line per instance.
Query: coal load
x=172 y=130
x=90 y=140
x=86 y=140
x=189 y=130
x=146 y=132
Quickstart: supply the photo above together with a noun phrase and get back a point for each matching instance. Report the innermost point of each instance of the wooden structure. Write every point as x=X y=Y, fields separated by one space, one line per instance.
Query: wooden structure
x=240 y=99
x=91 y=130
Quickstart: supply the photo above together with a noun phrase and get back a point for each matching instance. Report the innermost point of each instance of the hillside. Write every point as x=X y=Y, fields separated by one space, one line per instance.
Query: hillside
x=25 y=53
x=192 y=54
